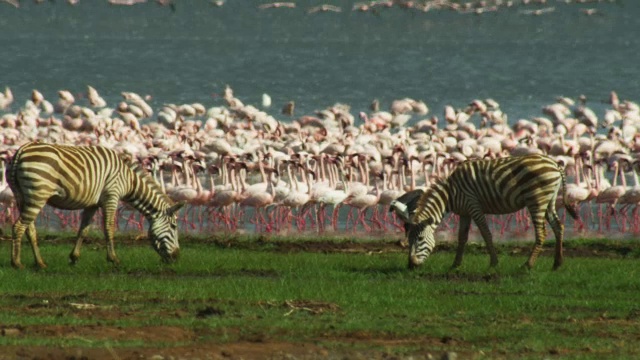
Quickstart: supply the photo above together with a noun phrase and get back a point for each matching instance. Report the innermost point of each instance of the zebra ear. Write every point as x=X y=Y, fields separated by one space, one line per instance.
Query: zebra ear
x=175 y=208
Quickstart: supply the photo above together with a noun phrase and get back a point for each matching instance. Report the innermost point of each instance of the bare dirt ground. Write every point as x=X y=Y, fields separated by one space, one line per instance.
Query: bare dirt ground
x=246 y=350
x=237 y=350
x=359 y=344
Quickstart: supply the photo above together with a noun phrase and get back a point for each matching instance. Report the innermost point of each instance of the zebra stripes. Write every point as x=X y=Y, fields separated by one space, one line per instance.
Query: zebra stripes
x=87 y=178
x=499 y=186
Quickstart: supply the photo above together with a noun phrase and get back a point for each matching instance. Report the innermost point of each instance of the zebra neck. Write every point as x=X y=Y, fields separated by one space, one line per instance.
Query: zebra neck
x=145 y=195
x=433 y=203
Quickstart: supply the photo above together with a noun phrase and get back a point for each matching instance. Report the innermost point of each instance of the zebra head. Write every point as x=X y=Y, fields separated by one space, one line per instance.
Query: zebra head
x=421 y=242
x=163 y=233
x=430 y=208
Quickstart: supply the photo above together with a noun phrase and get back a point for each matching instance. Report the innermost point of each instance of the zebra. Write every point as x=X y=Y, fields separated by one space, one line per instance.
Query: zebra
x=496 y=186
x=88 y=178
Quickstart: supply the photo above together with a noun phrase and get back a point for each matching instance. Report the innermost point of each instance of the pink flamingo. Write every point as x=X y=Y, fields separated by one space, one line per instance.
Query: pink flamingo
x=362 y=202
x=390 y=191
x=335 y=194
x=321 y=189
x=299 y=194
x=610 y=195
x=258 y=197
x=277 y=5
x=227 y=194
x=631 y=197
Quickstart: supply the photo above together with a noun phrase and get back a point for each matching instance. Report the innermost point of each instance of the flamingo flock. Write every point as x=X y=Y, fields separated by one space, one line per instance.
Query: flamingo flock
x=241 y=168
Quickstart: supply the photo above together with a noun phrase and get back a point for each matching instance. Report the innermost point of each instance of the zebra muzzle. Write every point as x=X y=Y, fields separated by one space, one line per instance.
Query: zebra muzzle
x=414 y=262
x=170 y=257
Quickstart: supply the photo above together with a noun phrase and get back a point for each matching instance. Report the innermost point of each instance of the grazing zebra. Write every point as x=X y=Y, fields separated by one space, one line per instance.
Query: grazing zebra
x=88 y=178
x=499 y=186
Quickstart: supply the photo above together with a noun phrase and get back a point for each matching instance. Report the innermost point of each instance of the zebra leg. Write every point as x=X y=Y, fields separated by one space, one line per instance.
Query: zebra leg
x=28 y=213
x=19 y=228
x=481 y=223
x=109 y=211
x=33 y=239
x=537 y=216
x=558 y=231
x=463 y=236
x=87 y=216
x=18 y=231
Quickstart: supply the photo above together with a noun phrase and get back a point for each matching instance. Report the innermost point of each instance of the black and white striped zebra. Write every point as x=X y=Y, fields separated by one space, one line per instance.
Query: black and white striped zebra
x=499 y=186
x=87 y=178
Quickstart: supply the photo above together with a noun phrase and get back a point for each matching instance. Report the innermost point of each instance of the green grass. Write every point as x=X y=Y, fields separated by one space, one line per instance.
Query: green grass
x=587 y=309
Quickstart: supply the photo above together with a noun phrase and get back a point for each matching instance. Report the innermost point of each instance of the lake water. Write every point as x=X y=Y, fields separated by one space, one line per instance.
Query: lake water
x=440 y=57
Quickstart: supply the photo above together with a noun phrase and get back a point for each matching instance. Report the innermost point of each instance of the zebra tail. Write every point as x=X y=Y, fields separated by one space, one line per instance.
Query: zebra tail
x=571 y=209
x=10 y=174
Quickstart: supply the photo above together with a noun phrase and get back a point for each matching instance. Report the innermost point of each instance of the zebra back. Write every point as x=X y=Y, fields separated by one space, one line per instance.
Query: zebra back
x=68 y=177
x=83 y=174
x=498 y=186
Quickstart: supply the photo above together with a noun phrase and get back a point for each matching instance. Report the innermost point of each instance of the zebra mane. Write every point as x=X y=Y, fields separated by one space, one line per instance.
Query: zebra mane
x=149 y=181
x=433 y=203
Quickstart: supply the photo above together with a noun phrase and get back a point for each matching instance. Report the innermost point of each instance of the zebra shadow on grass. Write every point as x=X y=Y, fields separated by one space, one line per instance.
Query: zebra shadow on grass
x=426 y=274
x=439 y=275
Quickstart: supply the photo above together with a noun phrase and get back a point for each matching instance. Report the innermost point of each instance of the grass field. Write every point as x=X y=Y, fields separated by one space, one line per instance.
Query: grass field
x=319 y=298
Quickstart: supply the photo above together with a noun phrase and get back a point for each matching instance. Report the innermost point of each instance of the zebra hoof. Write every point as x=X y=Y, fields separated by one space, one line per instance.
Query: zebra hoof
x=73 y=259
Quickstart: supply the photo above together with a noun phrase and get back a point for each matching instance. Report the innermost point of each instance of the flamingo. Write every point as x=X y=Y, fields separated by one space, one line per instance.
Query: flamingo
x=333 y=196
x=580 y=191
x=390 y=191
x=362 y=202
x=632 y=197
x=203 y=195
x=259 y=196
x=226 y=194
x=324 y=8
x=330 y=145
x=277 y=5
x=611 y=194
x=94 y=98
x=299 y=194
